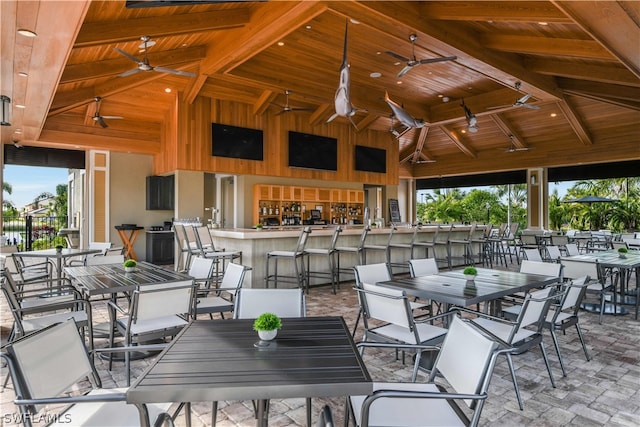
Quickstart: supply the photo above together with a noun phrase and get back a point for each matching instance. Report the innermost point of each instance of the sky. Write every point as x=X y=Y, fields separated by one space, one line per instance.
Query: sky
x=28 y=182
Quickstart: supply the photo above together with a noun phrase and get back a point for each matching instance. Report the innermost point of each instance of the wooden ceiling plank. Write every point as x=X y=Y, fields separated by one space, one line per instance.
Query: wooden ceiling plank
x=320 y=114
x=597 y=18
x=600 y=89
x=575 y=121
x=592 y=72
x=547 y=46
x=516 y=139
x=633 y=105
x=97 y=33
x=458 y=143
x=92 y=70
x=507 y=11
x=262 y=103
x=447 y=39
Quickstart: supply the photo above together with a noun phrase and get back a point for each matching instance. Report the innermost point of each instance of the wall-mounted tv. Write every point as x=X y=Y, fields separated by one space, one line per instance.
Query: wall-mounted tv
x=312 y=151
x=236 y=142
x=371 y=159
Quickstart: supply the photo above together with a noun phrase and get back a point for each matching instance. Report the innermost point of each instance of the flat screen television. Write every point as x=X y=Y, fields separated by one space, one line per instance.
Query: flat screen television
x=369 y=159
x=312 y=151
x=236 y=142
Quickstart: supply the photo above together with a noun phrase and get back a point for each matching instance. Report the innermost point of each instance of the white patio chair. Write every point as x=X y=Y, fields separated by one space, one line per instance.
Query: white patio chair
x=251 y=303
x=532 y=254
x=597 y=283
x=571 y=249
x=156 y=311
x=466 y=360
x=552 y=253
x=105 y=260
x=221 y=299
x=46 y=378
x=542 y=268
x=423 y=267
x=387 y=317
x=522 y=334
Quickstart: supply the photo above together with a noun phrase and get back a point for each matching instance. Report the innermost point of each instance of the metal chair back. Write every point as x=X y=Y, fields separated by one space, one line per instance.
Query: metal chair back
x=423 y=267
x=251 y=303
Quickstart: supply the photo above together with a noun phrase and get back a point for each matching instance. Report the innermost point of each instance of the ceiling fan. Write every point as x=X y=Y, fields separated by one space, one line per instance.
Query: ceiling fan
x=513 y=148
x=98 y=118
x=286 y=108
x=472 y=120
x=414 y=62
x=143 y=64
x=520 y=102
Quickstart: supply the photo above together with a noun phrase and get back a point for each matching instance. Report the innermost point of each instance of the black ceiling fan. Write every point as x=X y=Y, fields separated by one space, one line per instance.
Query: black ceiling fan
x=414 y=62
x=143 y=64
x=98 y=118
x=286 y=108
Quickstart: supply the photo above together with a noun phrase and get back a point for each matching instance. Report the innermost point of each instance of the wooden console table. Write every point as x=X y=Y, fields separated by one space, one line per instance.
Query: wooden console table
x=128 y=234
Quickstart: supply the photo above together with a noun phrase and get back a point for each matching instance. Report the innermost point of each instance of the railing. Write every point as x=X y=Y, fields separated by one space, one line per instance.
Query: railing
x=31 y=233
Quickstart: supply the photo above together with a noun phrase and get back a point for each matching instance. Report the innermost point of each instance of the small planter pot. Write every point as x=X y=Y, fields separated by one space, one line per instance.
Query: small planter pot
x=267 y=335
x=621 y=255
x=129 y=269
x=470 y=277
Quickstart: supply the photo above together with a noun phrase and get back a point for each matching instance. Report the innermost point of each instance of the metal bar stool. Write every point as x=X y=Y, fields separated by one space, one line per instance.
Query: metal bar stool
x=427 y=244
x=442 y=240
x=403 y=246
x=330 y=254
x=297 y=256
x=384 y=248
x=358 y=251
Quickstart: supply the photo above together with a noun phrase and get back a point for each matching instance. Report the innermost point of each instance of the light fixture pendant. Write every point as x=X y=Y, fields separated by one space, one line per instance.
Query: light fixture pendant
x=27 y=33
x=6 y=110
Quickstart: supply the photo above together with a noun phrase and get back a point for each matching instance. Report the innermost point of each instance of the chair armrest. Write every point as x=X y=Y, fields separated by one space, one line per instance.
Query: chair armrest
x=126 y=349
x=117 y=307
x=398 y=345
x=111 y=397
x=57 y=306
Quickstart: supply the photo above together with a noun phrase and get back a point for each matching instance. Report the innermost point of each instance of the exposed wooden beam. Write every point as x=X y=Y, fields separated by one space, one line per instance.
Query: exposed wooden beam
x=421 y=138
x=446 y=39
x=450 y=112
x=610 y=24
x=458 y=143
x=92 y=70
x=509 y=131
x=547 y=46
x=519 y=11
x=600 y=89
x=320 y=114
x=575 y=121
x=366 y=122
x=97 y=33
x=612 y=73
x=262 y=103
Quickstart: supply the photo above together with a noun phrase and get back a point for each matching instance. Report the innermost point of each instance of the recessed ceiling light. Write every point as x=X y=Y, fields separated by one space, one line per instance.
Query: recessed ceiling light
x=20 y=106
x=378 y=53
x=27 y=33
x=308 y=27
x=543 y=23
x=375 y=75
x=445 y=99
x=167 y=89
x=396 y=63
x=354 y=21
x=440 y=95
x=17 y=131
x=399 y=82
x=553 y=114
x=280 y=43
x=463 y=131
x=23 y=74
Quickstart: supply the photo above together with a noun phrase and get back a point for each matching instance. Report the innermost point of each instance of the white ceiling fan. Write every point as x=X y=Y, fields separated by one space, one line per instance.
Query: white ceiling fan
x=520 y=102
x=513 y=148
x=286 y=108
x=98 y=118
x=413 y=61
x=143 y=64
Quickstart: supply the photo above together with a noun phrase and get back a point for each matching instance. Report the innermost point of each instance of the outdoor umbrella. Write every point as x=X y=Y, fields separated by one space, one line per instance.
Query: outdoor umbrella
x=589 y=200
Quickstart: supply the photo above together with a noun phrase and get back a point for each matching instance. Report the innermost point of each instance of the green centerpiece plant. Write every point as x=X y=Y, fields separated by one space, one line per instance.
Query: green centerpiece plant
x=267 y=325
x=470 y=273
x=622 y=252
x=130 y=265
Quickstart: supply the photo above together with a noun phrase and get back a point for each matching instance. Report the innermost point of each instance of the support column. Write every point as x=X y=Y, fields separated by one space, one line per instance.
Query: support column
x=537 y=199
x=99 y=193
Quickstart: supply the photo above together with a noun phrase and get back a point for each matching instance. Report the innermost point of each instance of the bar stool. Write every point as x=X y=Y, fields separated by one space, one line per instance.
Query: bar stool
x=465 y=243
x=330 y=254
x=442 y=240
x=358 y=251
x=297 y=256
x=380 y=248
x=404 y=246
x=427 y=244
x=221 y=257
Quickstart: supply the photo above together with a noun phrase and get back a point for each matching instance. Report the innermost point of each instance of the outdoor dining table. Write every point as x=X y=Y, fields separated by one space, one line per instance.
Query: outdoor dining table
x=58 y=255
x=611 y=259
x=452 y=288
x=216 y=360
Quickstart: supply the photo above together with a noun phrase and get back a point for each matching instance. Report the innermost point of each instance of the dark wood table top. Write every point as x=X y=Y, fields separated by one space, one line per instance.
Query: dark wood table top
x=451 y=287
x=213 y=360
x=111 y=278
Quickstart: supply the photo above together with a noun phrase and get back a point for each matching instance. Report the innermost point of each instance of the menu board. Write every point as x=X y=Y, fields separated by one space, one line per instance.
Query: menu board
x=394 y=210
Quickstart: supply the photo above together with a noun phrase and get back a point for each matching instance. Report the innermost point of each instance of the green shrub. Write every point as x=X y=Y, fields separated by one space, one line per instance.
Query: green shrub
x=470 y=270
x=267 y=322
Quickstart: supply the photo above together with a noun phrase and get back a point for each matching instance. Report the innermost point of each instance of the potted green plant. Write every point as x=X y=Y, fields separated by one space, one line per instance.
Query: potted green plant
x=622 y=252
x=130 y=265
x=470 y=273
x=59 y=248
x=267 y=325
x=259 y=226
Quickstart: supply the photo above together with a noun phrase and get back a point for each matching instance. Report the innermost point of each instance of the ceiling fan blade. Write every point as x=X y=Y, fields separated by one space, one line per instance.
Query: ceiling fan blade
x=100 y=121
x=432 y=60
x=112 y=117
x=125 y=54
x=497 y=107
x=129 y=73
x=399 y=57
x=523 y=99
x=406 y=69
x=172 y=71
x=530 y=106
x=300 y=109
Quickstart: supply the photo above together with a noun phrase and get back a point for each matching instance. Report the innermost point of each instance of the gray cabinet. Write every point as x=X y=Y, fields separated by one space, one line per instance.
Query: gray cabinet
x=160 y=247
x=160 y=193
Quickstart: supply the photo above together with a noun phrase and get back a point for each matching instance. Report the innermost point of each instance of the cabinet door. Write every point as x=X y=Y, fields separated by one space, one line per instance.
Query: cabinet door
x=356 y=196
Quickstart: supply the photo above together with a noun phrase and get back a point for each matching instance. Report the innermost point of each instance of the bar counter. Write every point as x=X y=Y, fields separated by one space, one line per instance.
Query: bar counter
x=255 y=244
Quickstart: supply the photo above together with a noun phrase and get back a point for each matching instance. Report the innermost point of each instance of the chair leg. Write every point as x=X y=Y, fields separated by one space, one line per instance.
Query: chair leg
x=214 y=413
x=557 y=346
x=515 y=381
x=584 y=347
x=355 y=327
x=546 y=362
x=308 y=411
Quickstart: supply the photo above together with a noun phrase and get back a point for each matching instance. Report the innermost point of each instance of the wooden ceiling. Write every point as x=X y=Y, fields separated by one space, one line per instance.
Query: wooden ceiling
x=580 y=61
